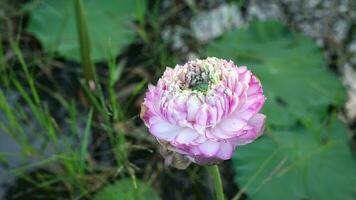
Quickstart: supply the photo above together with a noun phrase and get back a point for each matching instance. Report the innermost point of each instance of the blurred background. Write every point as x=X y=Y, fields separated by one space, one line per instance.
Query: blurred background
x=73 y=75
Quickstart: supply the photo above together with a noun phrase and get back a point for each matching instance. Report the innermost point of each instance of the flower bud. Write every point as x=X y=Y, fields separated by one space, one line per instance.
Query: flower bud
x=204 y=109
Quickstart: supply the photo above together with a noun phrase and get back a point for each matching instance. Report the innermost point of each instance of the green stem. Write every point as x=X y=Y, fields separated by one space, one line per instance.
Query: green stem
x=84 y=42
x=214 y=171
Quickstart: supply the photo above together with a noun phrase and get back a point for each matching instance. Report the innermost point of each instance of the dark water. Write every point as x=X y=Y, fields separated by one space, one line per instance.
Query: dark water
x=7 y=144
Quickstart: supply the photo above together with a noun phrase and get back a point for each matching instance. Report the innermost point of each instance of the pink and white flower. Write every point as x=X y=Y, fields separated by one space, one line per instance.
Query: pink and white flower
x=204 y=109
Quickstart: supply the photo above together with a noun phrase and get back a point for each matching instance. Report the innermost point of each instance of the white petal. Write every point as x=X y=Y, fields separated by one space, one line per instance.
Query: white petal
x=232 y=124
x=186 y=136
x=217 y=133
x=258 y=122
x=200 y=139
x=202 y=116
x=163 y=130
x=225 y=151
x=193 y=105
x=209 y=148
x=243 y=114
x=212 y=116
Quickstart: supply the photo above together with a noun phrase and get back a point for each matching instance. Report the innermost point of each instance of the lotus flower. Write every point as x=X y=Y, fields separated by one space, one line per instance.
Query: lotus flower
x=204 y=109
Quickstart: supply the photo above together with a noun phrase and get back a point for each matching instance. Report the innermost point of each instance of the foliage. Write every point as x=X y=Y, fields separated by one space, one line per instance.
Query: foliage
x=125 y=189
x=291 y=68
x=310 y=160
x=109 y=23
x=298 y=164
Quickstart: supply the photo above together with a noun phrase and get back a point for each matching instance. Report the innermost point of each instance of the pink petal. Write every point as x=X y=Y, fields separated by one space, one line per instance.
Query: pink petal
x=225 y=152
x=253 y=89
x=193 y=105
x=202 y=115
x=243 y=114
x=258 y=121
x=186 y=136
x=215 y=133
x=200 y=139
x=212 y=116
x=219 y=109
x=162 y=129
x=232 y=124
x=239 y=88
x=209 y=148
x=244 y=140
x=253 y=103
x=242 y=69
x=234 y=102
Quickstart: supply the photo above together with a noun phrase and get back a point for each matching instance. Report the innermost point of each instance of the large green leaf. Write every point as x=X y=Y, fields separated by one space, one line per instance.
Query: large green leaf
x=297 y=164
x=109 y=24
x=125 y=190
x=290 y=66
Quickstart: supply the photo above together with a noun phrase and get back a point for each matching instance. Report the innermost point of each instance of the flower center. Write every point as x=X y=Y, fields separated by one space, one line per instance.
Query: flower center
x=200 y=87
x=199 y=76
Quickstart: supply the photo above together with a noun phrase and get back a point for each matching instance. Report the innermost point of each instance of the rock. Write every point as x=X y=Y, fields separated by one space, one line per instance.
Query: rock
x=175 y=36
x=349 y=81
x=322 y=20
x=264 y=10
x=212 y=24
x=351 y=48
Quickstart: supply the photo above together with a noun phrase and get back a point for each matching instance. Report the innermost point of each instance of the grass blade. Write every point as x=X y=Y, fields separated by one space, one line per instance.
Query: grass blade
x=85 y=143
x=84 y=43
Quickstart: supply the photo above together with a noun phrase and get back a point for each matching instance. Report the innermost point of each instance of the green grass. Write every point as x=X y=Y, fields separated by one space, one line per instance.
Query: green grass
x=73 y=167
